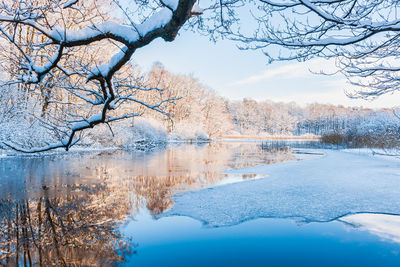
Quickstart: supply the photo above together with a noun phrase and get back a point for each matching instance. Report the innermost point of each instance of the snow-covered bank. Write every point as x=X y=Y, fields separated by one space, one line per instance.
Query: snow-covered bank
x=141 y=134
x=319 y=189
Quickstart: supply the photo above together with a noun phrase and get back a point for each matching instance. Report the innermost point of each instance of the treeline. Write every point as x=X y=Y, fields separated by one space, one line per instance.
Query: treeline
x=339 y=125
x=168 y=106
x=275 y=118
x=186 y=109
x=197 y=112
x=200 y=110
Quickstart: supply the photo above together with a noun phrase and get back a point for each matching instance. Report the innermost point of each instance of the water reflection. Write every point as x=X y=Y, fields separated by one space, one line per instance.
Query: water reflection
x=72 y=229
x=193 y=167
x=386 y=226
x=66 y=209
x=181 y=241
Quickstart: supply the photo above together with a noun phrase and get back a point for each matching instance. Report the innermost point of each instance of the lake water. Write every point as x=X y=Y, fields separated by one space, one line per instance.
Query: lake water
x=107 y=208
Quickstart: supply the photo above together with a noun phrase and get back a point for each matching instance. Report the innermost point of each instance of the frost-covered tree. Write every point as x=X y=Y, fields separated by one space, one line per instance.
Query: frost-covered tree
x=61 y=48
x=199 y=109
x=363 y=36
x=49 y=57
x=264 y=118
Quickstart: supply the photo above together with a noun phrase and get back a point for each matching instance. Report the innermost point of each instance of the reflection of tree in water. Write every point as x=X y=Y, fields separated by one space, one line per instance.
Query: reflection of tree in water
x=250 y=155
x=187 y=168
x=194 y=168
x=68 y=223
x=78 y=229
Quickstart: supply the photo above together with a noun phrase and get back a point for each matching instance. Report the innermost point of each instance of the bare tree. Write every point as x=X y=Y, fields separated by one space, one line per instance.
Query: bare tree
x=362 y=35
x=49 y=58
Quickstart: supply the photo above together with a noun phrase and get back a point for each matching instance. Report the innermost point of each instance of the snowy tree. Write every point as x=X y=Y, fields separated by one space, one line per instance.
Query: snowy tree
x=199 y=108
x=216 y=119
x=93 y=80
x=363 y=37
x=61 y=49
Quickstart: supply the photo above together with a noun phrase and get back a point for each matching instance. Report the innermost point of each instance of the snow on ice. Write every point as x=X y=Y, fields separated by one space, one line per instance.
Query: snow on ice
x=319 y=189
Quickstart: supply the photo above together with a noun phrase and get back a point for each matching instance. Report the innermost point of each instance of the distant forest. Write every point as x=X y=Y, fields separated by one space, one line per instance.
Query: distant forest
x=191 y=110
x=201 y=110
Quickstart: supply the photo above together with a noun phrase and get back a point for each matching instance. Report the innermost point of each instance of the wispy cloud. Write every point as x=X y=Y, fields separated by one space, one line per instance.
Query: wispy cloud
x=289 y=71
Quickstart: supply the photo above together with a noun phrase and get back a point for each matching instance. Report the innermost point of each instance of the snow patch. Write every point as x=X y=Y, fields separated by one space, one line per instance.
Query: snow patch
x=320 y=189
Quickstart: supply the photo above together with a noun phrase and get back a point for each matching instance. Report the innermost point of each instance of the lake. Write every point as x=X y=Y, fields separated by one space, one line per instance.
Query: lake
x=172 y=207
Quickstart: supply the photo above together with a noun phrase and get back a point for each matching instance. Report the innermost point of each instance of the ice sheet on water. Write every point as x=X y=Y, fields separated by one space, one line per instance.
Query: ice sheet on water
x=319 y=189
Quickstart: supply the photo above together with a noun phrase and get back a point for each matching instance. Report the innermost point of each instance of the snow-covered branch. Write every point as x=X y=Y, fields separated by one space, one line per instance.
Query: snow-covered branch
x=56 y=45
x=362 y=35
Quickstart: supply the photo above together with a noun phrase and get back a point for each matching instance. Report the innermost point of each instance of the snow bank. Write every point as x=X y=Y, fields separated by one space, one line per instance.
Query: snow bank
x=184 y=131
x=23 y=132
x=319 y=189
x=139 y=133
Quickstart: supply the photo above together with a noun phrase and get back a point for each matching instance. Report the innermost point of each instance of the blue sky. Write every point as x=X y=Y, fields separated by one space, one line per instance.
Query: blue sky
x=236 y=74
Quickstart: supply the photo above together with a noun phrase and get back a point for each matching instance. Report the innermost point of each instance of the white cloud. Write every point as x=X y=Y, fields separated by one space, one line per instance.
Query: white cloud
x=295 y=82
x=289 y=71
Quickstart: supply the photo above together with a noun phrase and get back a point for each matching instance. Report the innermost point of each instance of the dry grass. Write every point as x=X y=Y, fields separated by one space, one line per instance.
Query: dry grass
x=245 y=137
x=334 y=139
x=372 y=140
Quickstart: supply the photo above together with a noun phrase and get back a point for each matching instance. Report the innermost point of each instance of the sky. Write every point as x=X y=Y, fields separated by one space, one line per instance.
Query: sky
x=237 y=74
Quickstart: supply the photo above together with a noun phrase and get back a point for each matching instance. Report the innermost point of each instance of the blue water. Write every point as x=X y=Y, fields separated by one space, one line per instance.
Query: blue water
x=182 y=241
x=108 y=208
